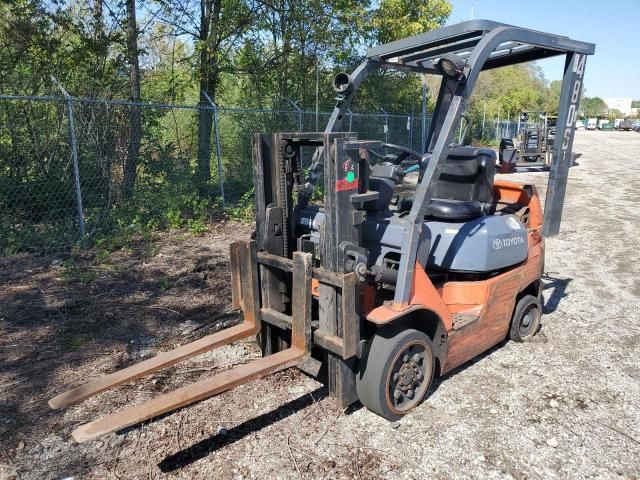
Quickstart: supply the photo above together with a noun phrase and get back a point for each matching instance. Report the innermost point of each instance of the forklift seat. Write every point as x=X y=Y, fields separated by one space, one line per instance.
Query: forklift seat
x=464 y=190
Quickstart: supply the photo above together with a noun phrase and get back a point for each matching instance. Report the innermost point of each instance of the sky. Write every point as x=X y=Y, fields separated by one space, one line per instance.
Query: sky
x=613 y=25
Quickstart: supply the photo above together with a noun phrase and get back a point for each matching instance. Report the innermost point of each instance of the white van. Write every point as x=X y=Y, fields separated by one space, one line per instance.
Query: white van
x=592 y=123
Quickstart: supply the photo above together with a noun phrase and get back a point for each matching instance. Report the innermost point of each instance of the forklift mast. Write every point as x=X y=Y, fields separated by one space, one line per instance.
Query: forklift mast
x=280 y=214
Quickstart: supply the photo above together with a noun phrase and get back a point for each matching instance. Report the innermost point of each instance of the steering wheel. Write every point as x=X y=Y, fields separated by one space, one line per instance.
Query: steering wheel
x=411 y=159
x=396 y=159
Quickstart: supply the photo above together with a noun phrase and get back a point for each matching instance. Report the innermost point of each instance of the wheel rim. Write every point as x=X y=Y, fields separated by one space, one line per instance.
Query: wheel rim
x=409 y=376
x=528 y=321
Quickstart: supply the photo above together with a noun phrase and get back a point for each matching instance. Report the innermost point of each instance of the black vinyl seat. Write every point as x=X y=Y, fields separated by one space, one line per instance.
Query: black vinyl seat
x=464 y=190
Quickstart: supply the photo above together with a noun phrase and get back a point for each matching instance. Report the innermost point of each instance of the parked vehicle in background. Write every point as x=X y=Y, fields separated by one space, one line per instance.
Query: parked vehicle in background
x=617 y=122
x=592 y=123
x=604 y=124
x=626 y=125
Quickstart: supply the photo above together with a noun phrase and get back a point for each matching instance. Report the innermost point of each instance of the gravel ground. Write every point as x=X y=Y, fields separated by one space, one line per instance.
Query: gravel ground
x=566 y=405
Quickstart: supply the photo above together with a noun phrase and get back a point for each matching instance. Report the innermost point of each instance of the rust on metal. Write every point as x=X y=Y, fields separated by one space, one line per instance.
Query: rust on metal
x=235 y=256
x=243 y=256
x=351 y=318
x=189 y=394
x=245 y=265
x=160 y=361
x=321 y=274
x=301 y=305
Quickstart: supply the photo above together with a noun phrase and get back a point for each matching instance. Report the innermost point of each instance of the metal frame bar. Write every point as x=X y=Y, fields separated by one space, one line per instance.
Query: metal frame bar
x=570 y=93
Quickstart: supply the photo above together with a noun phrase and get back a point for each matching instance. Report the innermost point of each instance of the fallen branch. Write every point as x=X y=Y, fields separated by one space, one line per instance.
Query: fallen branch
x=328 y=427
x=160 y=307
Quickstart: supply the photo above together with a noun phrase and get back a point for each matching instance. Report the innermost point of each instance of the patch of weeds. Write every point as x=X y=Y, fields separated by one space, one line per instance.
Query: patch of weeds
x=74 y=343
x=102 y=254
x=164 y=283
x=152 y=250
x=71 y=272
x=243 y=211
x=197 y=227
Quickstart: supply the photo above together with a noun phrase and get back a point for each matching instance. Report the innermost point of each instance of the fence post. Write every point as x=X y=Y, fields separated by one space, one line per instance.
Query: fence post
x=74 y=155
x=484 y=116
x=386 y=125
x=410 y=129
x=424 y=114
x=299 y=110
x=216 y=126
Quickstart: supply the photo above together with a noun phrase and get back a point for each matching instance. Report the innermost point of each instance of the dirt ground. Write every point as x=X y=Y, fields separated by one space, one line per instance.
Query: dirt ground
x=566 y=405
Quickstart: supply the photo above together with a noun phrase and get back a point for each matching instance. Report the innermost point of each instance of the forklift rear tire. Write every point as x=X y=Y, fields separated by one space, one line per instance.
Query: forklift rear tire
x=396 y=372
x=526 y=319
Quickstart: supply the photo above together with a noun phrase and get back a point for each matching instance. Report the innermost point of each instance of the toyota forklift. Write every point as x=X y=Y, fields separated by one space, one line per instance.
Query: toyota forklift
x=368 y=287
x=532 y=145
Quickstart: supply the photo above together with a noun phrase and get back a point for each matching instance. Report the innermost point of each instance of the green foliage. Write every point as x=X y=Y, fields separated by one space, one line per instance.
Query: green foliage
x=197 y=227
x=251 y=54
x=508 y=91
x=614 y=113
x=164 y=283
x=593 y=107
x=244 y=210
x=394 y=19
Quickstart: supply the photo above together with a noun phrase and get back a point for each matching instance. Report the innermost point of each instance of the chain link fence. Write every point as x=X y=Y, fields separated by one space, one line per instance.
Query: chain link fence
x=76 y=169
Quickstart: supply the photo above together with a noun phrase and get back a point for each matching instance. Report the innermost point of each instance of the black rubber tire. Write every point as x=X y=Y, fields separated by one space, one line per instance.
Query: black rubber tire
x=383 y=353
x=526 y=319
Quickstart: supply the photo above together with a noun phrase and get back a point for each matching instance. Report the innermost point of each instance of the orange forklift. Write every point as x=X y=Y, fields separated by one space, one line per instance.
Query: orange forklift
x=374 y=290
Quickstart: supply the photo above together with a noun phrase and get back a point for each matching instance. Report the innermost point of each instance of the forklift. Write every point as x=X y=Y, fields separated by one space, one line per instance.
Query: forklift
x=369 y=288
x=532 y=146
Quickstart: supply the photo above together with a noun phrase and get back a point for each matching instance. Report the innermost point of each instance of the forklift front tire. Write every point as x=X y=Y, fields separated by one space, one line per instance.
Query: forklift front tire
x=526 y=319
x=396 y=373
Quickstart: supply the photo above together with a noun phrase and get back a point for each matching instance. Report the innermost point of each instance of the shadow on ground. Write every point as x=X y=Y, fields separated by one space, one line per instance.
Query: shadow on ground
x=220 y=440
x=66 y=319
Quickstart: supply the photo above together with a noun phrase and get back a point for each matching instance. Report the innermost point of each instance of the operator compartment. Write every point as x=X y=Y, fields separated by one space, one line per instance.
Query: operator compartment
x=472 y=224
x=465 y=233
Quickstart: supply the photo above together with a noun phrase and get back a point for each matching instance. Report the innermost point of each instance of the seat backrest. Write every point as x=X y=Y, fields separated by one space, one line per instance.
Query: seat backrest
x=467 y=175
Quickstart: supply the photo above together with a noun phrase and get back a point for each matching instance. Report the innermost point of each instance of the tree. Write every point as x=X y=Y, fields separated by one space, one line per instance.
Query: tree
x=552 y=97
x=216 y=35
x=394 y=19
x=593 y=107
x=614 y=113
x=135 y=119
x=507 y=91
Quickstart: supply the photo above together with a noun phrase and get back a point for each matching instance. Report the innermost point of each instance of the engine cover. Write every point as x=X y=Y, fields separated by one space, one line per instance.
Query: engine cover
x=484 y=244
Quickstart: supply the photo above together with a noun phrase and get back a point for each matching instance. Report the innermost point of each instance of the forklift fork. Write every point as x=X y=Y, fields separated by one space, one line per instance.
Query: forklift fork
x=245 y=289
